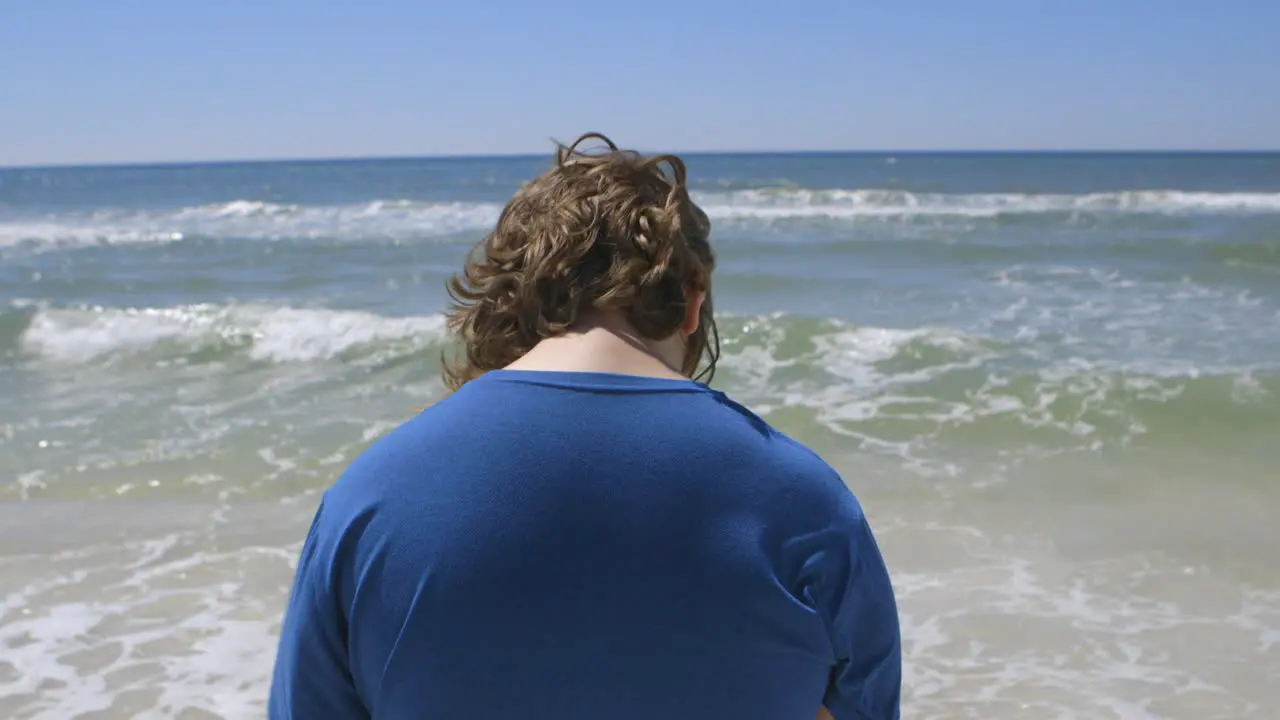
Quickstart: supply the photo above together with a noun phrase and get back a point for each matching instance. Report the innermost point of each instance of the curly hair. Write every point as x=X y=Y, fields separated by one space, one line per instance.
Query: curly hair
x=600 y=231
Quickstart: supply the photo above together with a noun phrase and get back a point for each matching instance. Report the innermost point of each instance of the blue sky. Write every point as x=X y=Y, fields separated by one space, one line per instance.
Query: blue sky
x=87 y=81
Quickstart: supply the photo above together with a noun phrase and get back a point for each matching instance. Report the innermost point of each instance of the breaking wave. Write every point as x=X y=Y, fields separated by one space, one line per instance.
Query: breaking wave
x=403 y=220
x=891 y=388
x=194 y=333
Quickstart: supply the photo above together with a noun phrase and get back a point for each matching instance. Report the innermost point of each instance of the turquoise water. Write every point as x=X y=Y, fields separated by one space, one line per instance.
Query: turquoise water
x=1055 y=380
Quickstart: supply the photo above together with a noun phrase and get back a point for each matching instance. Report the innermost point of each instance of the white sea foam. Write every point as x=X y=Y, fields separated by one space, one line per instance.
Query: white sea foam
x=276 y=334
x=406 y=220
x=911 y=392
x=793 y=203
x=254 y=220
x=86 y=639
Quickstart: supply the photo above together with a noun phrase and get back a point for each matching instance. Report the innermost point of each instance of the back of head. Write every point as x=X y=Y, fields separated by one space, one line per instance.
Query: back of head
x=611 y=231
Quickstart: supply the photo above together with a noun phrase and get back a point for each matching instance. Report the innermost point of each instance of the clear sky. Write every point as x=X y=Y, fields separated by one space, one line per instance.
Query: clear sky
x=88 y=81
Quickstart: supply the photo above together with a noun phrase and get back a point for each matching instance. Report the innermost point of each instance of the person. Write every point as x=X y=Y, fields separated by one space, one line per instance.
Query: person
x=583 y=527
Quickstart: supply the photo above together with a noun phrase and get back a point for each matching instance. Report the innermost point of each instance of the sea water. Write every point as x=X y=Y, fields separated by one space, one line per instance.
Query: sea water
x=1054 y=380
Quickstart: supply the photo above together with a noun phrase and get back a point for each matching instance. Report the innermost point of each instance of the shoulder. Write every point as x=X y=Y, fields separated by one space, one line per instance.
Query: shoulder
x=418 y=463
x=406 y=451
x=373 y=482
x=807 y=484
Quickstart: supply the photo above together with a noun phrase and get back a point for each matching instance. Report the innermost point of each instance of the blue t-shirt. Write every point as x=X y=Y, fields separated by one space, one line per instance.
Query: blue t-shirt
x=588 y=545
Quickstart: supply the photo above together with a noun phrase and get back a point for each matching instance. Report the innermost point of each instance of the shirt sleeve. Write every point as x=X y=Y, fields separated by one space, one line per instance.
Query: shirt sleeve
x=312 y=679
x=866 y=681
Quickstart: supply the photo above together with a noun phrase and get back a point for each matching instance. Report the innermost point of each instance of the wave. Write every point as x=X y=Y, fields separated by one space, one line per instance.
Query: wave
x=195 y=333
x=255 y=220
x=790 y=203
x=283 y=334
x=1264 y=255
x=890 y=388
x=402 y=220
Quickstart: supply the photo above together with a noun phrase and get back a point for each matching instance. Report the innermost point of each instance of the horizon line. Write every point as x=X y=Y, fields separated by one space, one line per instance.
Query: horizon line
x=338 y=159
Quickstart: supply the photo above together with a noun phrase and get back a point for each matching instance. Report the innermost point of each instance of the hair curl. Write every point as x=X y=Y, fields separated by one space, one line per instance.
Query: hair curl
x=607 y=230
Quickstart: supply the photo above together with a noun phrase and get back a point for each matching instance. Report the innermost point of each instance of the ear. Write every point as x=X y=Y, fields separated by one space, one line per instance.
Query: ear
x=692 y=312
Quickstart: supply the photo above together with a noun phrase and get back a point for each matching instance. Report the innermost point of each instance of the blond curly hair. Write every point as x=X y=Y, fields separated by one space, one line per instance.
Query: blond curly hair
x=599 y=231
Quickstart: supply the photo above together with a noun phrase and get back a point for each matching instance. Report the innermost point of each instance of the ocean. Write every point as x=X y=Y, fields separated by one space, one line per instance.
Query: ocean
x=1053 y=379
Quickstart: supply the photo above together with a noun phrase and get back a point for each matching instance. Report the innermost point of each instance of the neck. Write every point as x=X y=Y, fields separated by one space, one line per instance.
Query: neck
x=605 y=343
